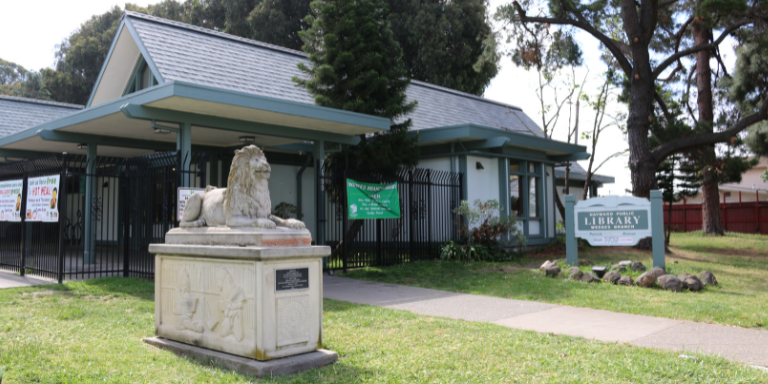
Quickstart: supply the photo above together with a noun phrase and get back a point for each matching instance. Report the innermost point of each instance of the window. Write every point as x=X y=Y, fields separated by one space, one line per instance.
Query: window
x=516 y=195
x=533 y=197
x=141 y=79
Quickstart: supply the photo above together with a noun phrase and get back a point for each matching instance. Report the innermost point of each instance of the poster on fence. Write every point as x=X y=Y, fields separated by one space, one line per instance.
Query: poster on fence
x=182 y=195
x=10 y=199
x=43 y=199
x=372 y=201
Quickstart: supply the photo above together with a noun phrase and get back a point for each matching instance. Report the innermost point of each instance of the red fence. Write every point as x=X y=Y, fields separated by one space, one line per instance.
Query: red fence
x=746 y=217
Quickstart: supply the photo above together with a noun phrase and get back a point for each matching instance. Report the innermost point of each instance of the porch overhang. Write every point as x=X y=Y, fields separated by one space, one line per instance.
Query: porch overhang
x=219 y=118
x=477 y=139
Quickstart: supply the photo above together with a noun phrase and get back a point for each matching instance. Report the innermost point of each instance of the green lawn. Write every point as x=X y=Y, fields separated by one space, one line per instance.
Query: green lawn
x=739 y=261
x=91 y=332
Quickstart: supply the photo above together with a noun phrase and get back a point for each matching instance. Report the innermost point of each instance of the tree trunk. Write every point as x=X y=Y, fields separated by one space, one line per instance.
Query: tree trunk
x=710 y=194
x=560 y=206
x=352 y=232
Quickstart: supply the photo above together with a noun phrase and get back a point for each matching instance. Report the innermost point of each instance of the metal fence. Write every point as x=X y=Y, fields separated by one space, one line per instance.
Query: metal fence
x=427 y=200
x=132 y=204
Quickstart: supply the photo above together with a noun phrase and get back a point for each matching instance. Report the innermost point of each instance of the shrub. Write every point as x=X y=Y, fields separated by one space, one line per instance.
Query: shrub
x=482 y=233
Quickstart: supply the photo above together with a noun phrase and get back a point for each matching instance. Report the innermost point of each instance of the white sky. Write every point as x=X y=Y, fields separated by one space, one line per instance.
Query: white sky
x=33 y=47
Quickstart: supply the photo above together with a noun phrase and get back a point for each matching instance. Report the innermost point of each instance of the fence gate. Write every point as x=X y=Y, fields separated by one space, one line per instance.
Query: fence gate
x=427 y=200
x=133 y=204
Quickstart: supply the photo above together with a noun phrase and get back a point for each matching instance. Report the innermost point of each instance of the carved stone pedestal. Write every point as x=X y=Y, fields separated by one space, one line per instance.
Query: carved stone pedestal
x=259 y=302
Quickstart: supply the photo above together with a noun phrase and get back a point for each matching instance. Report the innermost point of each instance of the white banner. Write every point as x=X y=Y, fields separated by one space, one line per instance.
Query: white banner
x=181 y=199
x=10 y=199
x=43 y=199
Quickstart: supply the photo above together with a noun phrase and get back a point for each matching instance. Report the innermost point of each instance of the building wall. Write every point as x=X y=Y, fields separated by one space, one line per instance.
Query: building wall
x=578 y=192
x=482 y=184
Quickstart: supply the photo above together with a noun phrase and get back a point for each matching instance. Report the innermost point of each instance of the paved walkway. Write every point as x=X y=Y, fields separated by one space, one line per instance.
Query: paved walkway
x=12 y=280
x=745 y=345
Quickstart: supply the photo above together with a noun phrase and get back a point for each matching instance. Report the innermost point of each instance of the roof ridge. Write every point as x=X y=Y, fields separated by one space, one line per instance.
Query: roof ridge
x=39 y=101
x=294 y=52
x=211 y=32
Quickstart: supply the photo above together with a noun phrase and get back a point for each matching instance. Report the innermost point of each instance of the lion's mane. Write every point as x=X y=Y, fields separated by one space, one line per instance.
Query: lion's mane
x=246 y=195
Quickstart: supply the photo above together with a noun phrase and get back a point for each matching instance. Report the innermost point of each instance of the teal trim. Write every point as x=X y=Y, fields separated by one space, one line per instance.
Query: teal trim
x=134 y=84
x=70 y=137
x=213 y=160
x=143 y=50
x=469 y=131
x=463 y=170
x=571 y=247
x=319 y=154
x=184 y=144
x=89 y=243
x=104 y=66
x=571 y=157
x=282 y=158
x=300 y=147
x=496 y=142
x=582 y=177
x=657 y=230
x=504 y=187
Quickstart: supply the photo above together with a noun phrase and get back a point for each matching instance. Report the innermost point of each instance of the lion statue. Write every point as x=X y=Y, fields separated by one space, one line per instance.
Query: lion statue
x=245 y=203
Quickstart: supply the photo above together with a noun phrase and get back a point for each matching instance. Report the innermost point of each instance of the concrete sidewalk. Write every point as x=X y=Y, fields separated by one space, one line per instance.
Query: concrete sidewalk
x=741 y=344
x=12 y=280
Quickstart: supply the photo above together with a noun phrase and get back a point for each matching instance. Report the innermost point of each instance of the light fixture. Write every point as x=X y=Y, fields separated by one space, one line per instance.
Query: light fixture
x=162 y=131
x=247 y=139
x=82 y=146
x=479 y=165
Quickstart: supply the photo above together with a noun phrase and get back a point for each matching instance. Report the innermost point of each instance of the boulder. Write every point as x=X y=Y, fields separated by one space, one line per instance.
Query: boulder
x=625 y=280
x=645 y=280
x=552 y=271
x=612 y=277
x=638 y=266
x=547 y=264
x=619 y=268
x=575 y=273
x=670 y=282
x=682 y=277
x=692 y=283
x=657 y=272
x=708 y=278
x=590 y=278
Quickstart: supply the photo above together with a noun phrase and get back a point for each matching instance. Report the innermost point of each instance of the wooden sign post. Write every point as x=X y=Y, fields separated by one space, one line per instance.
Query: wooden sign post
x=614 y=221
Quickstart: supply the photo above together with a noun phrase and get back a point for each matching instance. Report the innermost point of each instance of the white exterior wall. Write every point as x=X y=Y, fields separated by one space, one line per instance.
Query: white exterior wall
x=440 y=164
x=282 y=189
x=482 y=184
x=575 y=191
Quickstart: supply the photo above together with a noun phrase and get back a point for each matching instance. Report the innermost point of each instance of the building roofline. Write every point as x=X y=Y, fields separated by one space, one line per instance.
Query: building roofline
x=292 y=52
x=41 y=102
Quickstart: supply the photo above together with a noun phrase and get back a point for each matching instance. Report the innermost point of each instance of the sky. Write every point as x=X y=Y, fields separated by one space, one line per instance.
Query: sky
x=29 y=39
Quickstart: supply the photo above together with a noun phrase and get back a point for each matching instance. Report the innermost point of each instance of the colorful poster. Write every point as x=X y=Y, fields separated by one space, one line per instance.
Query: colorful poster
x=43 y=199
x=183 y=195
x=10 y=199
x=372 y=201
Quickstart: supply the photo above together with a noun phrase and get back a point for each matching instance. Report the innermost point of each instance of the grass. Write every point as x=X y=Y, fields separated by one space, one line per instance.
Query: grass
x=739 y=261
x=89 y=332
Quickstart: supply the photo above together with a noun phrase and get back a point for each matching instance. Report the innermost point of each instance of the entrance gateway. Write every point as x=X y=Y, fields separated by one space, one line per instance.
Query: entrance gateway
x=614 y=221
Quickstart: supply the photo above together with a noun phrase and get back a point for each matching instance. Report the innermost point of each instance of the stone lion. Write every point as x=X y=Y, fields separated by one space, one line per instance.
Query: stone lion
x=245 y=203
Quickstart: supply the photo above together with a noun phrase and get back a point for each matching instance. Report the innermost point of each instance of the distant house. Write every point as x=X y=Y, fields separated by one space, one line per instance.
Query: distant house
x=751 y=187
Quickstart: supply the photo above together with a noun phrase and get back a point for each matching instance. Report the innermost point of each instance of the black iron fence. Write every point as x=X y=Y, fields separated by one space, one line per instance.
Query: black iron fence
x=132 y=204
x=427 y=199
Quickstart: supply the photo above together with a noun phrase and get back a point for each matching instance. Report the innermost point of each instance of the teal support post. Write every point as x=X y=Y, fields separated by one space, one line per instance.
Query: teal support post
x=299 y=194
x=571 y=248
x=184 y=144
x=89 y=245
x=464 y=176
x=503 y=187
x=319 y=153
x=657 y=230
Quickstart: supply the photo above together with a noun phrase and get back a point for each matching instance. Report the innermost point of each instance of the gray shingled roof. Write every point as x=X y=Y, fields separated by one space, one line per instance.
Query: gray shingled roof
x=202 y=56
x=17 y=113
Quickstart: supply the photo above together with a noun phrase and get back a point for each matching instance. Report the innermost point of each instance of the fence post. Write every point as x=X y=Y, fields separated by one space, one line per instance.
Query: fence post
x=429 y=211
x=23 y=214
x=345 y=223
x=757 y=211
x=63 y=209
x=125 y=181
x=571 y=246
x=411 y=233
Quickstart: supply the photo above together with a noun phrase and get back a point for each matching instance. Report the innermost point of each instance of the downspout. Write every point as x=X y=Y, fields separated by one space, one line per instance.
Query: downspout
x=298 y=186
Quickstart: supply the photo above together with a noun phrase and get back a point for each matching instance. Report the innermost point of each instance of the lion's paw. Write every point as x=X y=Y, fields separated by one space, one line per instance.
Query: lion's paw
x=295 y=224
x=265 y=223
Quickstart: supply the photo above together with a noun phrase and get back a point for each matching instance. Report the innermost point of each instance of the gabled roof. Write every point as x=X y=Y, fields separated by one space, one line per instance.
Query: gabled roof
x=19 y=113
x=197 y=55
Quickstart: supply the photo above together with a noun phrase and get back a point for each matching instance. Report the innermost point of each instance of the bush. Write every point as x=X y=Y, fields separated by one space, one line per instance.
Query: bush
x=482 y=233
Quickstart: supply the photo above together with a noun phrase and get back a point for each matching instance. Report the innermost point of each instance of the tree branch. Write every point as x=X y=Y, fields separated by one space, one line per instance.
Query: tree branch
x=701 y=47
x=617 y=154
x=665 y=150
x=663 y=106
x=626 y=66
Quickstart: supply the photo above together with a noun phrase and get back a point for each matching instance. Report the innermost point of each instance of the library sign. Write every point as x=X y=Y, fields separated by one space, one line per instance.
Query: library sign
x=613 y=220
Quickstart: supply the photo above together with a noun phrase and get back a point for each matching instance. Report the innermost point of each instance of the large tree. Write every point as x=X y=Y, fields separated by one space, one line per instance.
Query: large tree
x=15 y=80
x=637 y=35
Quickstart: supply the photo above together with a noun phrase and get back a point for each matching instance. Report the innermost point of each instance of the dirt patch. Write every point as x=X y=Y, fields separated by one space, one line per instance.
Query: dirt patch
x=46 y=293
x=740 y=252
x=552 y=251
x=409 y=280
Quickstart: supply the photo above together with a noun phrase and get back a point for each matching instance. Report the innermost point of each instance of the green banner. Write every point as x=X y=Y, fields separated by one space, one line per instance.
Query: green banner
x=372 y=201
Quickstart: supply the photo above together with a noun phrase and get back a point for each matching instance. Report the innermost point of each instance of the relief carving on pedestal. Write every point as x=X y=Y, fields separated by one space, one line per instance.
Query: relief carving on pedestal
x=231 y=304
x=292 y=320
x=186 y=305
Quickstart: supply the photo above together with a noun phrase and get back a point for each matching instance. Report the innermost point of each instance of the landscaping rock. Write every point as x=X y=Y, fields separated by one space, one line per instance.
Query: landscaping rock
x=692 y=283
x=575 y=273
x=619 y=268
x=590 y=278
x=645 y=280
x=552 y=271
x=612 y=277
x=625 y=280
x=670 y=282
x=657 y=272
x=682 y=277
x=708 y=278
x=548 y=264
x=638 y=266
